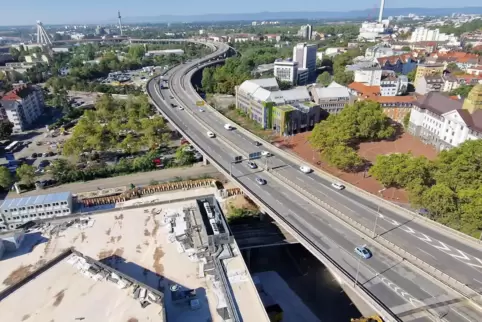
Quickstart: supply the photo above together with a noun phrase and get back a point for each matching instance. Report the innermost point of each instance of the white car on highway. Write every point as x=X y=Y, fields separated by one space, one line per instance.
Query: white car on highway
x=266 y=154
x=228 y=127
x=305 y=169
x=211 y=134
x=181 y=108
x=338 y=186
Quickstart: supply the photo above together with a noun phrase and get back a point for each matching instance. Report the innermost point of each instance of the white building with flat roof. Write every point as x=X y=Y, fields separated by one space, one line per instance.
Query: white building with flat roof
x=286 y=70
x=17 y=211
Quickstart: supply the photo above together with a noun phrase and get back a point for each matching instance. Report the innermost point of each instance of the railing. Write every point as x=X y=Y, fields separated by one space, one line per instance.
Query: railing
x=379 y=306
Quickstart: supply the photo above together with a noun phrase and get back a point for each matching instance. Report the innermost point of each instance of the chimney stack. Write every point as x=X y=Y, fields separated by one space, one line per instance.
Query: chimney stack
x=380 y=15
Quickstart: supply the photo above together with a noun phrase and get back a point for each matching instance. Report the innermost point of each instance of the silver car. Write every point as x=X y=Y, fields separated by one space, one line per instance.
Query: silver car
x=260 y=181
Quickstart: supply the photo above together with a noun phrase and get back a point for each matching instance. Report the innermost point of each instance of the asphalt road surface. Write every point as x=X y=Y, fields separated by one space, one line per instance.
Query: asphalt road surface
x=407 y=293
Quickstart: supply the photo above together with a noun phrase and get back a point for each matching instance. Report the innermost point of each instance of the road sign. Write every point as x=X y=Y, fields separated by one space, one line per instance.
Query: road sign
x=200 y=103
x=255 y=155
x=238 y=158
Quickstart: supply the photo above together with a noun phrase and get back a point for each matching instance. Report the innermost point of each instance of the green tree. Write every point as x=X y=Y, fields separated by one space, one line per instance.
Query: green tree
x=406 y=48
x=343 y=157
x=6 y=129
x=207 y=82
x=26 y=174
x=184 y=157
x=406 y=120
x=6 y=179
x=411 y=75
x=343 y=78
x=324 y=79
x=440 y=200
x=462 y=90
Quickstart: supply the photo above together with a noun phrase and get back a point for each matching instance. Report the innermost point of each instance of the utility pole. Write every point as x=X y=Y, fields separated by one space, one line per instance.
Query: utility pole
x=376 y=220
x=357 y=270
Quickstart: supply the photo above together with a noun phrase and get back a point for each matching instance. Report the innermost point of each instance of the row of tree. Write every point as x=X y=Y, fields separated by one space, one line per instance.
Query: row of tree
x=450 y=187
x=337 y=137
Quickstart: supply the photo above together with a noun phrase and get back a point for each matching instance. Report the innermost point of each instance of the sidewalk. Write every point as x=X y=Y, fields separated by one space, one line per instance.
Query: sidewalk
x=142 y=178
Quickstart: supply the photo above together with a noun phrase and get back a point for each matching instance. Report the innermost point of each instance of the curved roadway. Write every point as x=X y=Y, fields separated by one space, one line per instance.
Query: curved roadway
x=407 y=293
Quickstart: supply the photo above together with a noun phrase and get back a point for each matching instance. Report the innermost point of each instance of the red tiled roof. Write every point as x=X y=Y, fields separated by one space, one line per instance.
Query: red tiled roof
x=365 y=90
x=18 y=93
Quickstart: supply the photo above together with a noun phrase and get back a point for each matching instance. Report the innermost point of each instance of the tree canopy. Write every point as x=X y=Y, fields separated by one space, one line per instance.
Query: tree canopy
x=450 y=187
x=115 y=124
x=6 y=129
x=337 y=137
x=324 y=79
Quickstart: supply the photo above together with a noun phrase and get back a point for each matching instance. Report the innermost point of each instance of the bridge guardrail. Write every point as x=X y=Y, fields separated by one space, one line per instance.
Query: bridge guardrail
x=379 y=306
x=296 y=159
x=460 y=288
x=456 y=286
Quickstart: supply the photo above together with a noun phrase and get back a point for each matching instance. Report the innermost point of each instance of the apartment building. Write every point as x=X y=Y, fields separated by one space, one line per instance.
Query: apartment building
x=429 y=83
x=286 y=112
x=393 y=85
x=425 y=34
x=402 y=64
x=428 y=69
x=22 y=106
x=444 y=122
x=333 y=98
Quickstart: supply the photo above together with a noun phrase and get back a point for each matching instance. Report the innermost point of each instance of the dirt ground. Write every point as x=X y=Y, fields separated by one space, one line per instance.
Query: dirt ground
x=300 y=145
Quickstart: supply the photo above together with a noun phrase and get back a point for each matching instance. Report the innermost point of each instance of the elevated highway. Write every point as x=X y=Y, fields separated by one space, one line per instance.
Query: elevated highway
x=396 y=281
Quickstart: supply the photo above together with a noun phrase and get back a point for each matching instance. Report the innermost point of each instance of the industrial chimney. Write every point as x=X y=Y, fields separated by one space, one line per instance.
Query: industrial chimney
x=120 y=22
x=380 y=16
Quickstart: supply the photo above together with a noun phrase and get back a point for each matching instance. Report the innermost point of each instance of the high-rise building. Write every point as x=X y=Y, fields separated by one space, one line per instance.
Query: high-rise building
x=305 y=55
x=306 y=32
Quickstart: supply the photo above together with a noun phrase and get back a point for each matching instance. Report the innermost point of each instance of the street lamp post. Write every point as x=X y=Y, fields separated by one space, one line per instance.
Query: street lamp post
x=376 y=221
x=357 y=270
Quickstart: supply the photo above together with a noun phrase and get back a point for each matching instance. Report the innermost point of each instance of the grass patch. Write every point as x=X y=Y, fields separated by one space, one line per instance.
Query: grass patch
x=242 y=119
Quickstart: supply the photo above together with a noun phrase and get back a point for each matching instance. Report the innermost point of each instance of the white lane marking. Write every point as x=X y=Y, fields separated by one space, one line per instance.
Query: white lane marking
x=477 y=280
x=463 y=316
x=427 y=253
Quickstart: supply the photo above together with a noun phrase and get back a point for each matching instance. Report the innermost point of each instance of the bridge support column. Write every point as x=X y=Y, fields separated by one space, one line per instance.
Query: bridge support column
x=248 y=258
x=205 y=161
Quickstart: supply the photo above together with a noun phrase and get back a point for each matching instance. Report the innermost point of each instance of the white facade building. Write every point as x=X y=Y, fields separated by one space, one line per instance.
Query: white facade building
x=17 y=211
x=22 y=106
x=305 y=32
x=444 y=122
x=286 y=71
x=368 y=76
x=305 y=55
x=425 y=34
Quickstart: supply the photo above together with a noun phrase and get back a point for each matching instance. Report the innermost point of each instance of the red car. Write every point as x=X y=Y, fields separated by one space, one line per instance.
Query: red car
x=184 y=141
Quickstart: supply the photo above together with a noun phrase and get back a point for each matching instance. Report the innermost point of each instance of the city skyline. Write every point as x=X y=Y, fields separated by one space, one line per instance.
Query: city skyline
x=89 y=11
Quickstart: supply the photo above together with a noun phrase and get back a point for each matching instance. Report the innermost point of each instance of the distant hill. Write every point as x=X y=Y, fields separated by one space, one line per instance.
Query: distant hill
x=329 y=15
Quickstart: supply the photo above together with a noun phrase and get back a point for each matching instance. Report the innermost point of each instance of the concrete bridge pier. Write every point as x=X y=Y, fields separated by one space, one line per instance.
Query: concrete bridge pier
x=205 y=161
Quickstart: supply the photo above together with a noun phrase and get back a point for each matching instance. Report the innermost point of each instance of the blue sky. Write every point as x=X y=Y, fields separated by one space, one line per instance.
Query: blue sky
x=26 y=12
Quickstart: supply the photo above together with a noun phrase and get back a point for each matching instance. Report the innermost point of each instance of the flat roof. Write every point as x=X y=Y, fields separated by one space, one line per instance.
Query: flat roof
x=64 y=293
x=35 y=200
x=136 y=242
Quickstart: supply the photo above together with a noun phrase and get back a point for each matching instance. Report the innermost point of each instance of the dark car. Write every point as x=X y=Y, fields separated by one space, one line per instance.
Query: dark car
x=34 y=155
x=43 y=163
x=257 y=143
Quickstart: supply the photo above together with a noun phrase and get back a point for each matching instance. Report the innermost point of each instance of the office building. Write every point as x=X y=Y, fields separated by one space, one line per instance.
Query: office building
x=305 y=55
x=17 y=211
x=428 y=69
x=286 y=70
x=306 y=32
x=286 y=112
x=333 y=98
x=393 y=85
x=22 y=106
x=444 y=122
x=368 y=74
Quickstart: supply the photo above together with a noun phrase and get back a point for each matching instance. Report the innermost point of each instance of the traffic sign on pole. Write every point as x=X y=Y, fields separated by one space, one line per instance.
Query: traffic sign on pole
x=200 y=103
x=238 y=158
x=255 y=155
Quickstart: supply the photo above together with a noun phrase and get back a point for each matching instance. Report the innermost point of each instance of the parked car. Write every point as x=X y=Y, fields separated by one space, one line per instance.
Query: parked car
x=363 y=251
x=34 y=155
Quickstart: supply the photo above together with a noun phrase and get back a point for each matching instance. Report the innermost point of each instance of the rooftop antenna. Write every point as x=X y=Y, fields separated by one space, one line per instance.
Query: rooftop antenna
x=120 y=23
x=42 y=35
